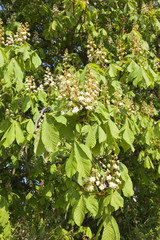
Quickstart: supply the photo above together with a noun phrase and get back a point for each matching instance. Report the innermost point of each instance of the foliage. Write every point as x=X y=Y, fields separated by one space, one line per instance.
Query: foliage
x=79 y=121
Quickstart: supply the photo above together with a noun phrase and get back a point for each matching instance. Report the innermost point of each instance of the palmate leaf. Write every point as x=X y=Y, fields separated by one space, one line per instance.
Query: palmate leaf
x=111 y=230
x=50 y=134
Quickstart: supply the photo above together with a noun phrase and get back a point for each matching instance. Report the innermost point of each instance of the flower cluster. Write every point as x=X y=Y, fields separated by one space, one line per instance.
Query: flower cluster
x=1 y=32
x=79 y=96
x=147 y=8
x=12 y=18
x=30 y=84
x=9 y=40
x=9 y=112
x=98 y=55
x=108 y=178
x=135 y=42
x=22 y=35
x=48 y=78
x=121 y=50
x=35 y=38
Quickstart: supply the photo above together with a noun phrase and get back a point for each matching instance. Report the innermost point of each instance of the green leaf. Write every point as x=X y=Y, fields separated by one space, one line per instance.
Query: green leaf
x=30 y=126
x=42 y=96
x=146 y=77
x=116 y=200
x=111 y=230
x=113 y=129
x=4 y=213
x=132 y=66
x=113 y=70
x=92 y=136
x=54 y=25
x=82 y=156
x=88 y=232
x=26 y=104
x=128 y=135
x=50 y=134
x=1 y=57
x=128 y=185
x=79 y=211
x=60 y=119
x=101 y=134
x=19 y=134
x=9 y=136
x=91 y=205
x=38 y=144
x=18 y=71
x=36 y=60
x=71 y=165
x=148 y=163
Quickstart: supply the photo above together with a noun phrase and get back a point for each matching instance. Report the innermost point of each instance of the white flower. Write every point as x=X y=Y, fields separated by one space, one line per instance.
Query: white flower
x=113 y=185
x=92 y=179
x=89 y=108
x=117 y=174
x=120 y=104
x=90 y=188
x=97 y=183
x=118 y=181
x=62 y=112
x=88 y=100
x=102 y=186
x=109 y=178
x=87 y=93
x=107 y=171
x=116 y=167
x=81 y=98
x=75 y=109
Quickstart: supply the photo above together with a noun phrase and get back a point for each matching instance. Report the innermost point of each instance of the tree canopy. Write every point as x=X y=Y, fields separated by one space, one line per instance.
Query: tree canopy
x=80 y=119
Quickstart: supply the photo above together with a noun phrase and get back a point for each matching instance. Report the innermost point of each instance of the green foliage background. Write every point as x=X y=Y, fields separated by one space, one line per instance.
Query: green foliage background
x=80 y=119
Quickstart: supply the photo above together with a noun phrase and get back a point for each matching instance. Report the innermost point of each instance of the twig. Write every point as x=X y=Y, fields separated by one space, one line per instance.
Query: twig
x=41 y=113
x=73 y=180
